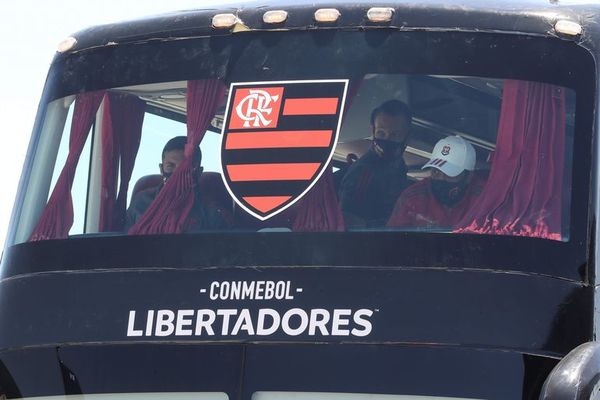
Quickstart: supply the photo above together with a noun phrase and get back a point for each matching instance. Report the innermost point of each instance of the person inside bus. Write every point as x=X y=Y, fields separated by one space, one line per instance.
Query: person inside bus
x=202 y=216
x=442 y=199
x=373 y=183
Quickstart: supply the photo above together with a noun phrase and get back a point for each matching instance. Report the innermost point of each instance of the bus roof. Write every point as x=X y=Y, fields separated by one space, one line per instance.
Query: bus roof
x=529 y=17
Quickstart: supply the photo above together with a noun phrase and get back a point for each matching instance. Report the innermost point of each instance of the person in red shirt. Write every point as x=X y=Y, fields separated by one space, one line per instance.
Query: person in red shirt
x=442 y=199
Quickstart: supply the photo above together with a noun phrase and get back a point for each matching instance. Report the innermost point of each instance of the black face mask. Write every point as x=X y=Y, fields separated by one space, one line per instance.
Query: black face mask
x=449 y=193
x=390 y=148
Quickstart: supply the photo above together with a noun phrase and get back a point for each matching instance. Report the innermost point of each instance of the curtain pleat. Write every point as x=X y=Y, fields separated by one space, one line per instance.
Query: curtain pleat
x=169 y=212
x=523 y=195
x=57 y=217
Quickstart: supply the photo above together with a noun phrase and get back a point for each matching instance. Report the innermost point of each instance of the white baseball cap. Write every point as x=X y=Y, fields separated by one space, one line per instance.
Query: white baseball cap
x=452 y=155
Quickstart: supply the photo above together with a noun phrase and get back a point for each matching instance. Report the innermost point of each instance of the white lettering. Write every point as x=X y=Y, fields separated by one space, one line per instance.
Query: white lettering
x=288 y=296
x=280 y=290
x=205 y=323
x=226 y=314
x=269 y=290
x=235 y=290
x=365 y=323
x=244 y=322
x=183 y=322
x=164 y=323
x=316 y=322
x=224 y=291
x=285 y=322
x=261 y=322
x=213 y=290
x=248 y=290
x=338 y=322
x=258 y=294
x=263 y=330
x=131 y=324
x=149 y=322
x=251 y=290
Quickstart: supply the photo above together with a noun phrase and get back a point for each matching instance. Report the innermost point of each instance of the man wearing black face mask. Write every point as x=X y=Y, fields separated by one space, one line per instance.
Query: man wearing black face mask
x=442 y=199
x=202 y=216
x=373 y=183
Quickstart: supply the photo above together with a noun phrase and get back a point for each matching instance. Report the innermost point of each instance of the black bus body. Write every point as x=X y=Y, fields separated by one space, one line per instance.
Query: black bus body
x=264 y=309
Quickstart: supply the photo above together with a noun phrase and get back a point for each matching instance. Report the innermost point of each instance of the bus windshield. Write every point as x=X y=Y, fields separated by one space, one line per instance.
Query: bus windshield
x=282 y=134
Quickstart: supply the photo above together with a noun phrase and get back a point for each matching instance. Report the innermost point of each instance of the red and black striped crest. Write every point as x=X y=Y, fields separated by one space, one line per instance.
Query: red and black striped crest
x=277 y=139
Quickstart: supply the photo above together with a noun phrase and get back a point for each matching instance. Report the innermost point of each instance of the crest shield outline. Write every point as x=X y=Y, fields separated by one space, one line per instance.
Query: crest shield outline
x=277 y=139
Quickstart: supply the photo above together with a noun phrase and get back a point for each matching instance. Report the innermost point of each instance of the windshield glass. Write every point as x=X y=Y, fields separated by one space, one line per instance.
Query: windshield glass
x=367 y=151
x=277 y=132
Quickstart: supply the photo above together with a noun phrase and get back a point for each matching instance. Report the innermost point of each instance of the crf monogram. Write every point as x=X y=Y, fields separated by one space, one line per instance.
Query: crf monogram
x=255 y=108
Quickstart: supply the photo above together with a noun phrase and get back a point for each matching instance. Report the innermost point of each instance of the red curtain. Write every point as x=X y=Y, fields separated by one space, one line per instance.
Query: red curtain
x=524 y=190
x=169 y=211
x=121 y=133
x=57 y=218
x=319 y=210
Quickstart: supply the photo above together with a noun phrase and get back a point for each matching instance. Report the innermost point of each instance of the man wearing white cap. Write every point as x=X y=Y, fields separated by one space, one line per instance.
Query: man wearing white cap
x=442 y=199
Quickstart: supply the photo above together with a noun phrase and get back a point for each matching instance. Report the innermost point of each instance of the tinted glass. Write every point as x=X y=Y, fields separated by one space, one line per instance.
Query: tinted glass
x=409 y=142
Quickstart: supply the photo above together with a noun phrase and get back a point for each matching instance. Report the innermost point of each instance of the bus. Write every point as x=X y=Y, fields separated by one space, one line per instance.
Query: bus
x=305 y=200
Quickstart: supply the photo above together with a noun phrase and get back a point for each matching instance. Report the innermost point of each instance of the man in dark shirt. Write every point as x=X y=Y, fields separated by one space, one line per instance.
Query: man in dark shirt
x=202 y=216
x=372 y=184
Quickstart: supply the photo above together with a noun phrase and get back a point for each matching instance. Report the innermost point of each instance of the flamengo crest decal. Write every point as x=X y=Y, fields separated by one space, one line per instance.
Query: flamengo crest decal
x=277 y=139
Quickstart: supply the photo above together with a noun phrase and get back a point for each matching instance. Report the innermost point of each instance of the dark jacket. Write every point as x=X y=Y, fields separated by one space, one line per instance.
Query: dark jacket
x=370 y=189
x=202 y=216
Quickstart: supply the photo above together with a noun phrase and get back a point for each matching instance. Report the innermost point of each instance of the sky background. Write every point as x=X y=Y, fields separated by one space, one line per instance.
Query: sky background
x=29 y=35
